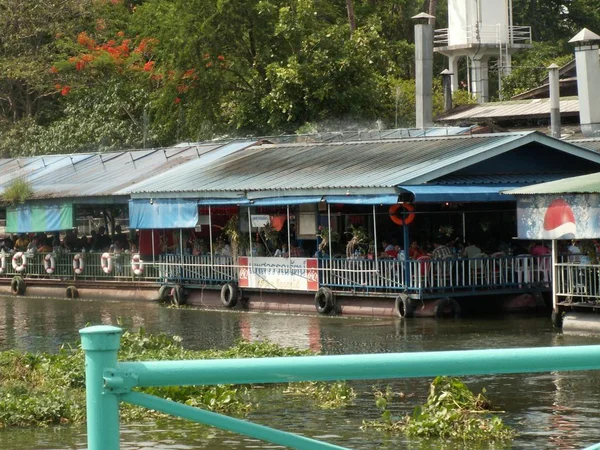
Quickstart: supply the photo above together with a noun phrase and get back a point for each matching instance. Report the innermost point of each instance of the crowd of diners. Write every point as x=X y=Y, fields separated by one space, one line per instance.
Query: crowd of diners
x=70 y=241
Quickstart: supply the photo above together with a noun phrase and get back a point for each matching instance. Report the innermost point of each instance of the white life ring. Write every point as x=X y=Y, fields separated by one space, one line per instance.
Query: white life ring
x=2 y=263
x=106 y=262
x=78 y=264
x=19 y=261
x=137 y=265
x=49 y=263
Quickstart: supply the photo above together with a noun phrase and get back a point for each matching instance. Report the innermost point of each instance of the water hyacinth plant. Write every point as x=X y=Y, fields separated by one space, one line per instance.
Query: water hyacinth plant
x=451 y=412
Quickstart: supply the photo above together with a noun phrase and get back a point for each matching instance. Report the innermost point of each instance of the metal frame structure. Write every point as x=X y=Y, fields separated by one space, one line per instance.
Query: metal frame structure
x=110 y=382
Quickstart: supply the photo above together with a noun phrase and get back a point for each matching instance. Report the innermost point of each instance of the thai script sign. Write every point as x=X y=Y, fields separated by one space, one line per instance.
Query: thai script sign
x=297 y=274
x=569 y=216
x=260 y=220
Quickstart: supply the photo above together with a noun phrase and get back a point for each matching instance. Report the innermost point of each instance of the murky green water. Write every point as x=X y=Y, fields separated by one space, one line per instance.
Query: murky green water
x=550 y=411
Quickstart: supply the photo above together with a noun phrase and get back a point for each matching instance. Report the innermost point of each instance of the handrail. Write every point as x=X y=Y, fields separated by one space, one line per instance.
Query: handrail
x=109 y=382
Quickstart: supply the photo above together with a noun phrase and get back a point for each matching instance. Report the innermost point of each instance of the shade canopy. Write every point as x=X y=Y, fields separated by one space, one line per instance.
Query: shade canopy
x=39 y=218
x=161 y=213
x=383 y=199
x=458 y=193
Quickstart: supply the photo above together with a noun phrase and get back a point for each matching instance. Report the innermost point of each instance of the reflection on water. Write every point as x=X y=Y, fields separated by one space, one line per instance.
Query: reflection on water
x=550 y=410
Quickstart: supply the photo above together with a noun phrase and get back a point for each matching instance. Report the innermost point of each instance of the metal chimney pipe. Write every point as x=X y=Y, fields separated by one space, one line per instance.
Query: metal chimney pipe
x=554 y=100
x=424 y=70
x=588 y=81
x=447 y=87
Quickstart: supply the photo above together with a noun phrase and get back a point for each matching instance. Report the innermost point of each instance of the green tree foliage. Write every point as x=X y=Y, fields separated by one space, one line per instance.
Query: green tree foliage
x=79 y=75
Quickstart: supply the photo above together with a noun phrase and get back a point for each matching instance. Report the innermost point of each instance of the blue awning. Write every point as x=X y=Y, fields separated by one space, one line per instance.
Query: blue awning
x=427 y=193
x=223 y=201
x=384 y=199
x=283 y=201
x=159 y=213
x=39 y=217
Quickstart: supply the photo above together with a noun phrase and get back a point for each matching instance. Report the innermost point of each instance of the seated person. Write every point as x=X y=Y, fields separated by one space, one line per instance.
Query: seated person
x=33 y=245
x=538 y=249
x=414 y=251
x=45 y=246
x=21 y=243
x=440 y=250
x=282 y=252
x=471 y=250
x=574 y=252
x=296 y=251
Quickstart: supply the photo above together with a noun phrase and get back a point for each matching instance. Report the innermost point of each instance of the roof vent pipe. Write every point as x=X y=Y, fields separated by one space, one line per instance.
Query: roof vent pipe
x=424 y=70
x=554 y=100
x=588 y=81
x=447 y=86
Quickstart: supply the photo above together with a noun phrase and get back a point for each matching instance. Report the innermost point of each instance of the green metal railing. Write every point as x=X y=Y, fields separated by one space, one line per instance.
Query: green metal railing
x=108 y=382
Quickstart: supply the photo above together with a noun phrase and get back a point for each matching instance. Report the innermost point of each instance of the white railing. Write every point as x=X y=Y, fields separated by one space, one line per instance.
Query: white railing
x=483 y=34
x=201 y=269
x=121 y=267
x=578 y=280
x=497 y=272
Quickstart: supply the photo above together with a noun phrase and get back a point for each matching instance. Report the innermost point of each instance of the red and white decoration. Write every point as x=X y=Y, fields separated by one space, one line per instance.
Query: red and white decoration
x=559 y=221
x=295 y=274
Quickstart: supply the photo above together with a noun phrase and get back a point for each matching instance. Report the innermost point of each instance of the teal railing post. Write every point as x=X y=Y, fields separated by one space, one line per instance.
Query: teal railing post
x=100 y=344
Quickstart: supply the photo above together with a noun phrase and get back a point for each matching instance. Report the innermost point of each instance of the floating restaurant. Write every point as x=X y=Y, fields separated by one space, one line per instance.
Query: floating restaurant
x=371 y=225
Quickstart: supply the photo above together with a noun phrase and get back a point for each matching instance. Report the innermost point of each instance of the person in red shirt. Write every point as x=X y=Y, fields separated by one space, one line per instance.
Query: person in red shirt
x=414 y=251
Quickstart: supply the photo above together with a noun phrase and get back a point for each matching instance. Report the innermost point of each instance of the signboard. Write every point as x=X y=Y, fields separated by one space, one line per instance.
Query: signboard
x=569 y=216
x=260 y=220
x=295 y=274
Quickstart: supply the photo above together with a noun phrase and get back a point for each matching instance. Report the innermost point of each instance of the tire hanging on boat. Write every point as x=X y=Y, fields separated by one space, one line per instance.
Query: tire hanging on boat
x=72 y=292
x=178 y=295
x=557 y=318
x=229 y=295
x=324 y=300
x=163 y=293
x=443 y=304
x=18 y=286
x=403 y=307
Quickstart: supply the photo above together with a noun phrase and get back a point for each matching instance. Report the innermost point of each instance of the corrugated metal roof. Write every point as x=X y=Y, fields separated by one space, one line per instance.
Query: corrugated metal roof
x=590 y=144
x=95 y=174
x=575 y=185
x=358 y=165
x=520 y=179
x=518 y=109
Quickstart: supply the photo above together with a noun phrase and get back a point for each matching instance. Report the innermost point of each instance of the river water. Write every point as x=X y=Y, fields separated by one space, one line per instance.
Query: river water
x=549 y=410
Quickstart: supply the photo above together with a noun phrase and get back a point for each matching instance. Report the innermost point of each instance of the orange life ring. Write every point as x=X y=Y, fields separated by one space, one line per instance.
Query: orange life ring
x=400 y=220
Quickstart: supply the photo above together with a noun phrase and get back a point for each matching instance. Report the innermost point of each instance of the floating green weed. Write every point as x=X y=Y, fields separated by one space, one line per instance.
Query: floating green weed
x=452 y=411
x=38 y=389
x=325 y=395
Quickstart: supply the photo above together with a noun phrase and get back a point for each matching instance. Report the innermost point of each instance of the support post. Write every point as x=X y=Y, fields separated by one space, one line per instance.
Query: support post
x=376 y=250
x=329 y=226
x=553 y=267
x=210 y=238
x=406 y=257
x=289 y=235
x=100 y=344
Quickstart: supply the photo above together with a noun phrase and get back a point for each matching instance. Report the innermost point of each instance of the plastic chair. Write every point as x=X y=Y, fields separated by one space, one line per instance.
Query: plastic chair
x=424 y=264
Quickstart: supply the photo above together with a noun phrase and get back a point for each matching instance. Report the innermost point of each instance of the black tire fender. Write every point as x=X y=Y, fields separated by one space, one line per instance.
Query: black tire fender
x=324 y=300
x=179 y=297
x=163 y=293
x=18 y=286
x=229 y=295
x=72 y=292
x=441 y=305
x=557 y=318
x=403 y=307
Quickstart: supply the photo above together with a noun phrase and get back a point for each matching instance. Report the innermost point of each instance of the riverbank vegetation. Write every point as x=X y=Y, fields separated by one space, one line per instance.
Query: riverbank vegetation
x=49 y=389
x=95 y=75
x=38 y=389
x=452 y=411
